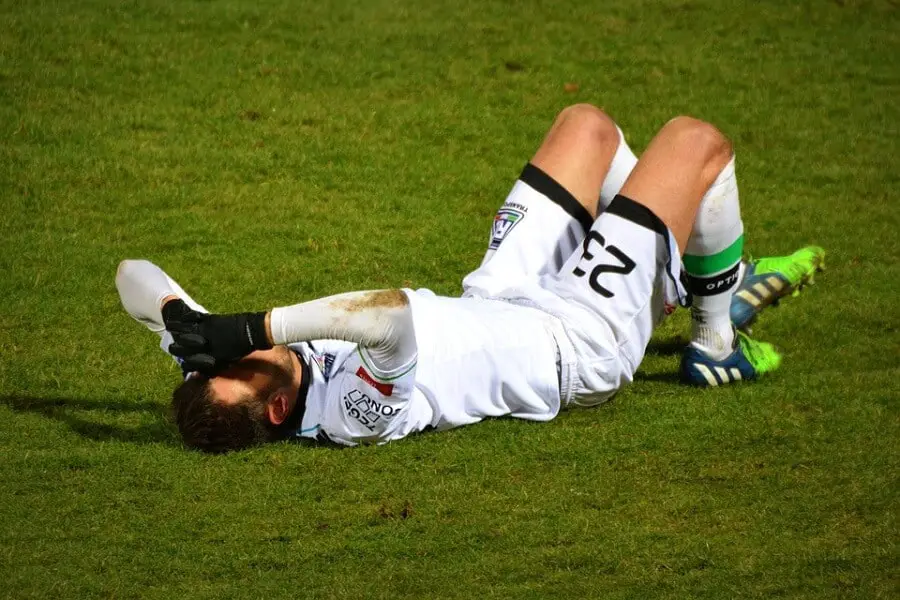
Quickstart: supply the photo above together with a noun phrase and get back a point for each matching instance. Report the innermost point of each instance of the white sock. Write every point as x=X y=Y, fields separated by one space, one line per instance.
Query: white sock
x=712 y=261
x=622 y=164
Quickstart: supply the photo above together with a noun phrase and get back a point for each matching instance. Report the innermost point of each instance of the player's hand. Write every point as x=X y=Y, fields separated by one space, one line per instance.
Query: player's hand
x=178 y=316
x=209 y=343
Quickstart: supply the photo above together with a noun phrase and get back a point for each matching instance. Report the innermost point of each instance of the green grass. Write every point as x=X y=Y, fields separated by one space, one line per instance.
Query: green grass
x=268 y=152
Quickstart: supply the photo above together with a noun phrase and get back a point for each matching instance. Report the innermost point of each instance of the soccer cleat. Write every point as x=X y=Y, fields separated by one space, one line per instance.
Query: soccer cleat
x=749 y=360
x=767 y=280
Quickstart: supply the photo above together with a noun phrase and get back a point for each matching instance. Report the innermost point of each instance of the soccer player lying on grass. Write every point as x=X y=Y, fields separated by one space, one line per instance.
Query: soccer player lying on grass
x=558 y=314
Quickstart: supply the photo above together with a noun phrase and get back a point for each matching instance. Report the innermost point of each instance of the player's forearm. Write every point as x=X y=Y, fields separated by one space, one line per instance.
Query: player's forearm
x=144 y=288
x=381 y=321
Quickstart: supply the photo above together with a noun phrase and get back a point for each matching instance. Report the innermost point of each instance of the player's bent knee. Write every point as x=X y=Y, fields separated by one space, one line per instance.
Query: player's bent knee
x=124 y=267
x=699 y=136
x=700 y=140
x=591 y=122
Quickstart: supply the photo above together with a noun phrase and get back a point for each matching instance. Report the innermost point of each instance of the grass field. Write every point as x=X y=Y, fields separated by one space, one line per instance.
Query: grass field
x=265 y=152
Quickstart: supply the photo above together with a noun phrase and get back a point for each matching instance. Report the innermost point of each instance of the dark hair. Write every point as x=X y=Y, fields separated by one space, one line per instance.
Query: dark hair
x=212 y=426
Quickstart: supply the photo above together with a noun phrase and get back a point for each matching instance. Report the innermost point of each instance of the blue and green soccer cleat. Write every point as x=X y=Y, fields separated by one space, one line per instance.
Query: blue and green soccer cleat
x=748 y=361
x=767 y=280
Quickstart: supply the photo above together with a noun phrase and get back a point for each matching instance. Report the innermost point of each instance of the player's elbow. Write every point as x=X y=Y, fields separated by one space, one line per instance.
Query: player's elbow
x=126 y=270
x=131 y=266
x=129 y=277
x=123 y=269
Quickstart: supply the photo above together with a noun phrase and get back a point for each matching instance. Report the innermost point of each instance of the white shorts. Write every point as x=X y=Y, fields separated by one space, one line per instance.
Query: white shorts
x=610 y=281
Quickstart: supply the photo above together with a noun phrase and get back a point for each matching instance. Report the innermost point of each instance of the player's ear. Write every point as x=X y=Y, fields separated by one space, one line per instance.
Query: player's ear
x=278 y=408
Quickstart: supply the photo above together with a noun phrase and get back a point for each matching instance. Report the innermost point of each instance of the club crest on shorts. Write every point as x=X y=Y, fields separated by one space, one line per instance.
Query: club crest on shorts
x=505 y=219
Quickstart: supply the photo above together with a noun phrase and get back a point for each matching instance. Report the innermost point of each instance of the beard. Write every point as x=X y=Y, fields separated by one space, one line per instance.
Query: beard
x=283 y=369
x=269 y=372
x=276 y=369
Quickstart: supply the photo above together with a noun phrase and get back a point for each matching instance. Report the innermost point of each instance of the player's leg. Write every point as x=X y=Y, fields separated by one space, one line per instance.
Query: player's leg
x=630 y=258
x=712 y=262
x=711 y=233
x=554 y=202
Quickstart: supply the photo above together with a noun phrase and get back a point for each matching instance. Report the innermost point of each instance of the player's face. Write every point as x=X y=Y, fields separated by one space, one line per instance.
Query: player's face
x=256 y=375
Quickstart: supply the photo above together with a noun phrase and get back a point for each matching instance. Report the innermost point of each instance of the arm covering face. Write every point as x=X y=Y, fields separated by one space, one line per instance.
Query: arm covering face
x=379 y=321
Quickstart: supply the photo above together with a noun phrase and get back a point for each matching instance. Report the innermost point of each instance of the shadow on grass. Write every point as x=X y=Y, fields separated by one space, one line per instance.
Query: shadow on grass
x=667 y=377
x=672 y=346
x=76 y=414
x=668 y=347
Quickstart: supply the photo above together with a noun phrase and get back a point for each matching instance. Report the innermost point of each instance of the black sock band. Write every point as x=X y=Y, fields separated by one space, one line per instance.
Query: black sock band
x=715 y=284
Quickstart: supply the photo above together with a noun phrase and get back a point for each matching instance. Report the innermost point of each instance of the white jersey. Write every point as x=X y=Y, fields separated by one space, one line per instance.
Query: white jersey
x=477 y=358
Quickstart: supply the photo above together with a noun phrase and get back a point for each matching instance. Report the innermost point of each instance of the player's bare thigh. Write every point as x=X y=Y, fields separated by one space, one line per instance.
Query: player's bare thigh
x=577 y=152
x=678 y=167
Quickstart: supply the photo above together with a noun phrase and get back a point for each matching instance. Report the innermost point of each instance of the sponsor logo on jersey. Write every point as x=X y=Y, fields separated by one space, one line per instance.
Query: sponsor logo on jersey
x=505 y=219
x=365 y=411
x=386 y=389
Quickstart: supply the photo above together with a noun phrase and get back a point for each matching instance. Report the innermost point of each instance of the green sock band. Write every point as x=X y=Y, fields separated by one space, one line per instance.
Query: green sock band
x=714 y=263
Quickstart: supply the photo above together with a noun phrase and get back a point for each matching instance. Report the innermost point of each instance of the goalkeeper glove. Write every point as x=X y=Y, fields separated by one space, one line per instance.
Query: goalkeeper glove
x=209 y=343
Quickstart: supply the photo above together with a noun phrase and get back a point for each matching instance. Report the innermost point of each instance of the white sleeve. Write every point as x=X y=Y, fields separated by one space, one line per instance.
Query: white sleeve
x=379 y=321
x=142 y=287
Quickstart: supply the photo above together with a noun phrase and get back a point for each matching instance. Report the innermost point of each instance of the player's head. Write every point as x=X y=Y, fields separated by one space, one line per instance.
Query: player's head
x=247 y=404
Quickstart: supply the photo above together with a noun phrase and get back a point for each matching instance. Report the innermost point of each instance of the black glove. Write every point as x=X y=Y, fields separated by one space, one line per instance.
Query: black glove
x=177 y=315
x=209 y=343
